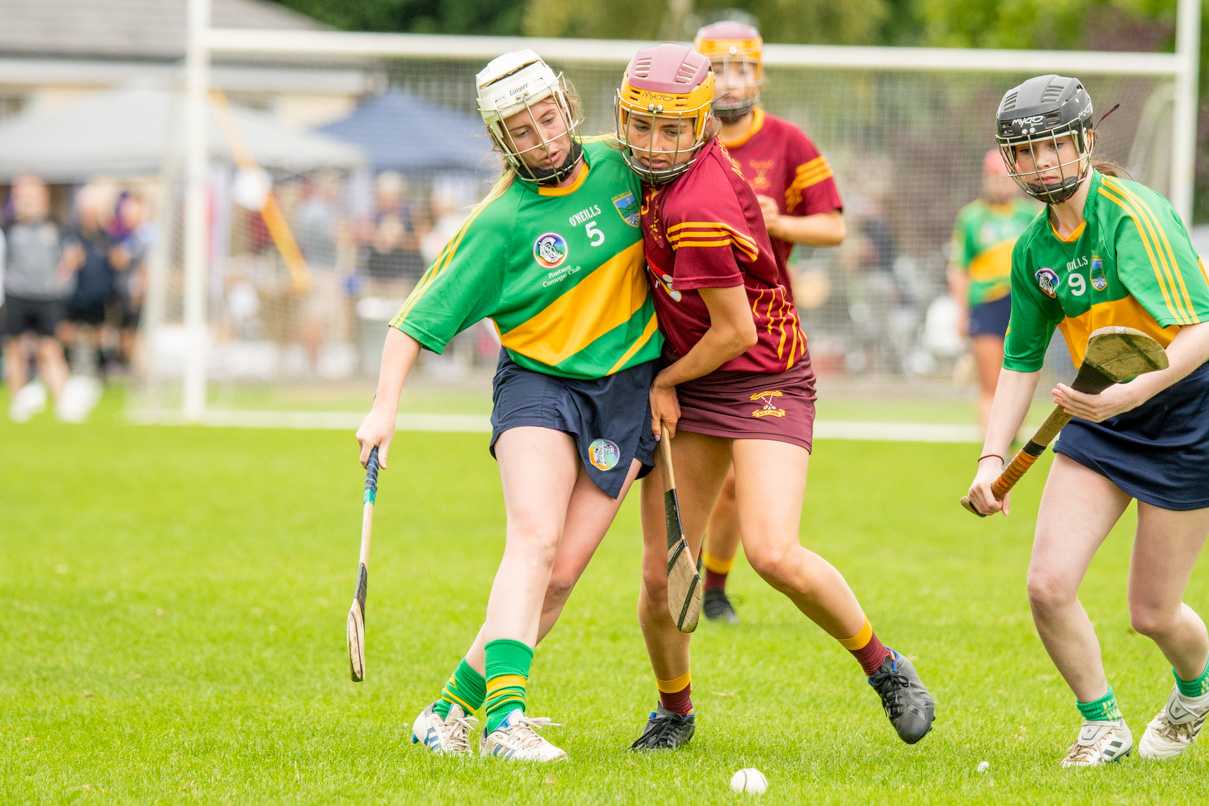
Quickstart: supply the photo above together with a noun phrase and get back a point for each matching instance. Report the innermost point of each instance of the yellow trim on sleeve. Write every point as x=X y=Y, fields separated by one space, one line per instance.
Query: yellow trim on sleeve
x=1184 y=299
x=1159 y=266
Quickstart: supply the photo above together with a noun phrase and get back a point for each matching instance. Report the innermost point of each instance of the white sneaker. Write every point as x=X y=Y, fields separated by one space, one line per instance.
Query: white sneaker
x=516 y=739
x=29 y=401
x=1172 y=731
x=80 y=396
x=449 y=736
x=1099 y=743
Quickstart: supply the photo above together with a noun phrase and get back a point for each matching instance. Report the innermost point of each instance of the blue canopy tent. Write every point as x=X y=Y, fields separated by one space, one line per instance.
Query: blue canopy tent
x=403 y=132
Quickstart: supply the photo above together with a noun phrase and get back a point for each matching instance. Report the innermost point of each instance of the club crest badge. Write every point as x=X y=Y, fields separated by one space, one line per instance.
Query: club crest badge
x=1048 y=280
x=628 y=208
x=770 y=408
x=550 y=250
x=1098 y=280
x=604 y=454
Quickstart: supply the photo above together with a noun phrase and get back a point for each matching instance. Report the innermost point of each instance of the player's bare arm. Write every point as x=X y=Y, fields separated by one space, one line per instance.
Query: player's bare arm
x=378 y=427
x=818 y=229
x=731 y=333
x=1013 y=395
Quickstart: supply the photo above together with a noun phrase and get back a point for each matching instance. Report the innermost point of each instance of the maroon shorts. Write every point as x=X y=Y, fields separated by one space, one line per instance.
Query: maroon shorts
x=751 y=405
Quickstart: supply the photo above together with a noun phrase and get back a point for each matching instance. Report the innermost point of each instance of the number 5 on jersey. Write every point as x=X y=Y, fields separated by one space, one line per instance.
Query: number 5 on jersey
x=594 y=233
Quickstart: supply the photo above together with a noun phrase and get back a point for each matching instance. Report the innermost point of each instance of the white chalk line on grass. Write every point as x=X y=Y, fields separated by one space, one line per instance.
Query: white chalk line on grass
x=481 y=424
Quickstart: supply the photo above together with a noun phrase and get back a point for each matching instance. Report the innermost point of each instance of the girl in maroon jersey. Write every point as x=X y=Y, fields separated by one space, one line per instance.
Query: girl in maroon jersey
x=800 y=204
x=736 y=386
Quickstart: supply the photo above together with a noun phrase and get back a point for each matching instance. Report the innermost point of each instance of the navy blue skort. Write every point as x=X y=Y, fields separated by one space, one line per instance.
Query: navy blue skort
x=609 y=418
x=991 y=318
x=1158 y=453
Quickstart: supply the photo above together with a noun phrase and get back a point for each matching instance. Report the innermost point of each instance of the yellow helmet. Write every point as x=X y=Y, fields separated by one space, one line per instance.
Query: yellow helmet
x=737 y=53
x=670 y=82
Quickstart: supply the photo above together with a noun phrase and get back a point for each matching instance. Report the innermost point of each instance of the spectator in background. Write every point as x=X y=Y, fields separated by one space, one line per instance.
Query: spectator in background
x=447 y=218
x=321 y=232
x=390 y=252
x=87 y=252
x=980 y=269
x=135 y=236
x=36 y=285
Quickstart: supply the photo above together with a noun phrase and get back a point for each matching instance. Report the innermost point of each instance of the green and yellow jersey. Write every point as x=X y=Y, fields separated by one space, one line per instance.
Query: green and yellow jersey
x=983 y=238
x=560 y=271
x=1129 y=263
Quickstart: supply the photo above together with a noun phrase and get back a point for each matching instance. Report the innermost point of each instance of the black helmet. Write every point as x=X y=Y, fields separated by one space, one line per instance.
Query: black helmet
x=1042 y=110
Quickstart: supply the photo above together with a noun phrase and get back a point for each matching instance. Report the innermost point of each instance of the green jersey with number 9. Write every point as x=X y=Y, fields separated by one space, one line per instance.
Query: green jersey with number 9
x=1129 y=263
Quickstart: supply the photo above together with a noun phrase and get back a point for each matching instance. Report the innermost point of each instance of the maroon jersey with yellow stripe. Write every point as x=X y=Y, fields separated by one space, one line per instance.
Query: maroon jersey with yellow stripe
x=705 y=230
x=780 y=162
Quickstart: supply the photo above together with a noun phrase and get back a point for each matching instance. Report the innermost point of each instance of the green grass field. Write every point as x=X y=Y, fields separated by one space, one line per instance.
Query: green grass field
x=172 y=605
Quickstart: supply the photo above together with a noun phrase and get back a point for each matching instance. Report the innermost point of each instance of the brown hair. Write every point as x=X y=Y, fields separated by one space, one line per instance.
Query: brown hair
x=1110 y=168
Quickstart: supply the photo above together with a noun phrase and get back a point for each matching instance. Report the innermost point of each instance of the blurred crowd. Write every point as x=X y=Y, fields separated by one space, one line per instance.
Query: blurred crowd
x=72 y=294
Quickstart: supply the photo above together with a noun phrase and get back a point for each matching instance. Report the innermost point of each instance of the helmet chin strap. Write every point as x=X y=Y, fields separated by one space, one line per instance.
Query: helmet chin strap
x=552 y=176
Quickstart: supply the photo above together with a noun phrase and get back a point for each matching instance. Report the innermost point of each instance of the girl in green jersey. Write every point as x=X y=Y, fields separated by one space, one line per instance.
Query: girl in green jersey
x=554 y=258
x=1108 y=252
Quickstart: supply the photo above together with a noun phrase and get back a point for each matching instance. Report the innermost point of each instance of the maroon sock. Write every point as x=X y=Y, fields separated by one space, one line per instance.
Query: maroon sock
x=679 y=702
x=714 y=580
x=871 y=655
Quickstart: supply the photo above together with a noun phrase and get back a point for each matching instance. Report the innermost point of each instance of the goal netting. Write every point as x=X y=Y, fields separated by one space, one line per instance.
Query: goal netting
x=336 y=177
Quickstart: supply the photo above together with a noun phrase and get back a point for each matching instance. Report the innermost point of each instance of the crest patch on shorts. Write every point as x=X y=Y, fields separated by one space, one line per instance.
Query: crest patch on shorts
x=604 y=454
x=770 y=409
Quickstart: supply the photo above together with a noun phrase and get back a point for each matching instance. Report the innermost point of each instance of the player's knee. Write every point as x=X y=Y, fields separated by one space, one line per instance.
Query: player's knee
x=558 y=591
x=1151 y=621
x=537 y=544
x=1047 y=591
x=727 y=496
x=654 y=582
x=772 y=563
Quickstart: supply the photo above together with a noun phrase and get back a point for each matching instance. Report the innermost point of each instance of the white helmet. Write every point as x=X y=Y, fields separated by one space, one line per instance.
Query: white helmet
x=513 y=83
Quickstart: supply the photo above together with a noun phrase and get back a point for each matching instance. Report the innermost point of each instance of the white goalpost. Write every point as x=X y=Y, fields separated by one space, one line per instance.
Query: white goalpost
x=277 y=299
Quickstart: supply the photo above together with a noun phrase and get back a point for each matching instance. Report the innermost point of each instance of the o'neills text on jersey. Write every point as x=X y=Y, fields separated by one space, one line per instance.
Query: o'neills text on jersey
x=584 y=215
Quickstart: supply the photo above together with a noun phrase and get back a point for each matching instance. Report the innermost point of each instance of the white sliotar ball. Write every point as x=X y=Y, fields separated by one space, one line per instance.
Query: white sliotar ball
x=749 y=780
x=983 y=766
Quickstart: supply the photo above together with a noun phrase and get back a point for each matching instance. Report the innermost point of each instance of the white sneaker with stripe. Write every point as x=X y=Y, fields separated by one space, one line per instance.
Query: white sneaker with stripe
x=1099 y=743
x=517 y=739
x=1172 y=731
x=449 y=736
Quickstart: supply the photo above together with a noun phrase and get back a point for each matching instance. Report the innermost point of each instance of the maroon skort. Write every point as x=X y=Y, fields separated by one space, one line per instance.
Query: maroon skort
x=750 y=405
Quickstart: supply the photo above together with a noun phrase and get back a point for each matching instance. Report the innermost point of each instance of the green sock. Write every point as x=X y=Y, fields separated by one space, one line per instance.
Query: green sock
x=507 y=677
x=1193 y=688
x=466 y=687
x=1102 y=710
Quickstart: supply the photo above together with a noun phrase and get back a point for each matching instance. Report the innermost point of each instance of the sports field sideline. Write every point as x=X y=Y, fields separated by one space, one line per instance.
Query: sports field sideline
x=172 y=606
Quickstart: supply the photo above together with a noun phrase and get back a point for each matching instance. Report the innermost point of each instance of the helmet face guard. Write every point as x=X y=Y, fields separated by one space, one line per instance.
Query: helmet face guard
x=663 y=83
x=1038 y=115
x=736 y=52
x=514 y=84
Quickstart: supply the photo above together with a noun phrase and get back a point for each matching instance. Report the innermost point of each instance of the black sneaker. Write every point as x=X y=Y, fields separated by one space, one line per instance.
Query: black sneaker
x=904 y=698
x=717 y=607
x=666 y=730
